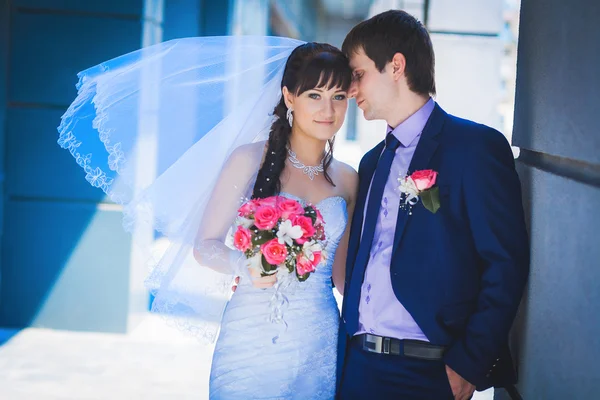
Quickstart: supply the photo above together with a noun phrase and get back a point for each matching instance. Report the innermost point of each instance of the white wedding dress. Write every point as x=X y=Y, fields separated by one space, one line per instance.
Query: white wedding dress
x=255 y=359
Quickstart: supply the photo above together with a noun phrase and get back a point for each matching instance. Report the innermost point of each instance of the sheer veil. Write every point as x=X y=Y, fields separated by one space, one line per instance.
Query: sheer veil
x=174 y=133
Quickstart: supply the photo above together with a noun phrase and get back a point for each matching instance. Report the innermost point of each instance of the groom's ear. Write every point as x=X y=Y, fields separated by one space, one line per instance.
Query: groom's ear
x=398 y=65
x=287 y=97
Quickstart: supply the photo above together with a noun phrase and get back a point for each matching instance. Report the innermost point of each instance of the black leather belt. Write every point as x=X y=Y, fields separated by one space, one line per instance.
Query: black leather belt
x=407 y=347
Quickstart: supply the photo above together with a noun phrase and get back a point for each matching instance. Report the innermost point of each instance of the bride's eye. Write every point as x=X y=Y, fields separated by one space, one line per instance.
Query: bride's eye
x=314 y=96
x=340 y=97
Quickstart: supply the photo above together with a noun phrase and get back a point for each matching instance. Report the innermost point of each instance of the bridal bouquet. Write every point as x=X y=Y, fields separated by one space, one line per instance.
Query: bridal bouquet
x=279 y=233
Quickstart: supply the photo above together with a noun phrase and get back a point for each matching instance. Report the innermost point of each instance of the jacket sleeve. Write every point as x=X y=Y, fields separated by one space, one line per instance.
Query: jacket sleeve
x=492 y=197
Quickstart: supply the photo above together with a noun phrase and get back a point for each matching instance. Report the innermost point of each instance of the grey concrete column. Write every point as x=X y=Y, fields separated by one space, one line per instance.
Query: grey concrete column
x=556 y=127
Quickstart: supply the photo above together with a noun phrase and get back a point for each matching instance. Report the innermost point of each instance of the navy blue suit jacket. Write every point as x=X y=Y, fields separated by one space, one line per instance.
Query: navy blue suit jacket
x=461 y=271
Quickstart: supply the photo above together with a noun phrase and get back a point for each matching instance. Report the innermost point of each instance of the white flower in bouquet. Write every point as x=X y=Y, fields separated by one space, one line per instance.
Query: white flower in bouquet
x=309 y=248
x=288 y=232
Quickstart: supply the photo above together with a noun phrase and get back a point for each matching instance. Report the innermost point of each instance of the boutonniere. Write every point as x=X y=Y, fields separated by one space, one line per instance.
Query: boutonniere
x=420 y=185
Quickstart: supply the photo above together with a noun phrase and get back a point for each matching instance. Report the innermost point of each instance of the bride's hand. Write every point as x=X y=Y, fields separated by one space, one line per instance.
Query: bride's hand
x=262 y=282
x=258 y=281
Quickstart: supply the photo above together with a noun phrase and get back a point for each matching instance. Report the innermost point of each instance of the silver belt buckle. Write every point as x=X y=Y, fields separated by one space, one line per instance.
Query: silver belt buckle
x=381 y=345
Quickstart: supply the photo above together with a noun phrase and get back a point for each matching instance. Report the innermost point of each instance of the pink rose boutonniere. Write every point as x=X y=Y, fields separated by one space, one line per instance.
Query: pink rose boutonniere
x=420 y=185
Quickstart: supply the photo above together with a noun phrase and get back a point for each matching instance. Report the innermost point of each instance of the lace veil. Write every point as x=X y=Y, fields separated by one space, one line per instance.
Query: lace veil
x=174 y=133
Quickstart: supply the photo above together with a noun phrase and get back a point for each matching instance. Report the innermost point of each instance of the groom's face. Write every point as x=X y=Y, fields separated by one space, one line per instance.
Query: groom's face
x=371 y=88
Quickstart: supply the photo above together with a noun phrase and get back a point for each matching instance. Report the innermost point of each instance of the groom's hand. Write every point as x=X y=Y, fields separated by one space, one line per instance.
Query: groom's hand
x=461 y=389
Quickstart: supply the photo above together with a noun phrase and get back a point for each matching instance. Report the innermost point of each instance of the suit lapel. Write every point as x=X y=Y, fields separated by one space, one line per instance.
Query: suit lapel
x=427 y=146
x=366 y=175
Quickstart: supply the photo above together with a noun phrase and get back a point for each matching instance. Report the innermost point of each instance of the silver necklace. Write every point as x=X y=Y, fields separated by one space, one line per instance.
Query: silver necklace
x=309 y=170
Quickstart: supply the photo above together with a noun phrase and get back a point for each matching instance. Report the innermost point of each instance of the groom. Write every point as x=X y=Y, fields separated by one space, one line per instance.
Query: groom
x=430 y=293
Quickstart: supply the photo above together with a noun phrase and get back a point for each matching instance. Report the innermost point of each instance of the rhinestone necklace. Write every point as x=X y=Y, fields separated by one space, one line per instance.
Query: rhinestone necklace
x=309 y=170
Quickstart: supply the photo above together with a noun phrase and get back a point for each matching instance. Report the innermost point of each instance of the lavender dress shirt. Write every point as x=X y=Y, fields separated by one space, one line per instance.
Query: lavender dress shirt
x=380 y=312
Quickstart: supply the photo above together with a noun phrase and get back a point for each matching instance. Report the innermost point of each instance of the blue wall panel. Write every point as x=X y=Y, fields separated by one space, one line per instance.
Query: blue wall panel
x=36 y=166
x=65 y=266
x=47 y=51
x=215 y=17
x=66 y=262
x=122 y=7
x=181 y=19
x=4 y=32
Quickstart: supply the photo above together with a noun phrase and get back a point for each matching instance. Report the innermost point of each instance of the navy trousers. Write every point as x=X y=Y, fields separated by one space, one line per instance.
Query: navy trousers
x=384 y=376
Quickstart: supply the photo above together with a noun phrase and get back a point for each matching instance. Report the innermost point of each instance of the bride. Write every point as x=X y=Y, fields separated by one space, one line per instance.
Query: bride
x=214 y=160
x=248 y=362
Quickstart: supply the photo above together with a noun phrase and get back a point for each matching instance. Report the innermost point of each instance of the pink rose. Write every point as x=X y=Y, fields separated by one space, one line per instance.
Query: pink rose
x=242 y=238
x=290 y=208
x=305 y=223
x=317 y=258
x=305 y=265
x=274 y=252
x=424 y=179
x=269 y=201
x=320 y=233
x=266 y=217
x=248 y=208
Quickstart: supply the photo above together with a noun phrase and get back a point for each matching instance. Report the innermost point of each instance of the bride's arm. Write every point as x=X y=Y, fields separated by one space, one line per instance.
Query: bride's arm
x=232 y=186
x=350 y=181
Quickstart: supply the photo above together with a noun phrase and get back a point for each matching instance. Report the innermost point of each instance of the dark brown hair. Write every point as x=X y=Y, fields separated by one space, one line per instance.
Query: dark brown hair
x=391 y=32
x=309 y=66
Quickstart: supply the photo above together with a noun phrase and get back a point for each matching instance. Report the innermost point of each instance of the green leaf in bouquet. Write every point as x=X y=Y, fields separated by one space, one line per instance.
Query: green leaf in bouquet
x=262 y=237
x=309 y=211
x=431 y=199
x=302 y=278
x=290 y=266
x=268 y=268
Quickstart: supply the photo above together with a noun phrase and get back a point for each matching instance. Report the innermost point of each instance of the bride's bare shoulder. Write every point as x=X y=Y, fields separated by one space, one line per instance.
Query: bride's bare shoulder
x=248 y=153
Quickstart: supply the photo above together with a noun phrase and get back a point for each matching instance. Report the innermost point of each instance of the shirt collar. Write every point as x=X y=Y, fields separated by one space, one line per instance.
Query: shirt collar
x=411 y=128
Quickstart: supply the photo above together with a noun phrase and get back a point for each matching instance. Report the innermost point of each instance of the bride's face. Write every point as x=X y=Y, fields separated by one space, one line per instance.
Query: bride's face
x=319 y=112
